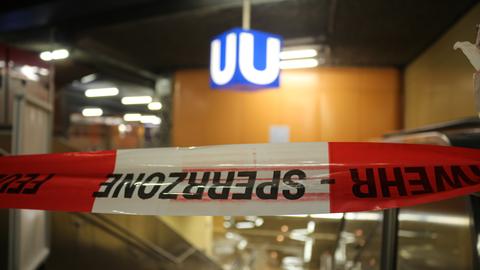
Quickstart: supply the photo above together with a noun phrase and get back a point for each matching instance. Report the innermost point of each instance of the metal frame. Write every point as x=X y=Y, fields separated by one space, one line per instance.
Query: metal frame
x=148 y=248
x=388 y=255
x=20 y=100
x=474 y=205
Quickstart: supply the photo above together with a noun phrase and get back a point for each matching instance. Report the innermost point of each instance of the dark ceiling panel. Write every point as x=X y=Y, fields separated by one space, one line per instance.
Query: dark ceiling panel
x=372 y=33
x=162 y=36
x=394 y=32
x=176 y=41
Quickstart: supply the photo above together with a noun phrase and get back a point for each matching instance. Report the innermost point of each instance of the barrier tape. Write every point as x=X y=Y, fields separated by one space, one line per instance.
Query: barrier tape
x=254 y=179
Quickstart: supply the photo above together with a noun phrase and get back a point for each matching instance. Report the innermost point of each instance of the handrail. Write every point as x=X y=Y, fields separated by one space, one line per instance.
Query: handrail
x=125 y=235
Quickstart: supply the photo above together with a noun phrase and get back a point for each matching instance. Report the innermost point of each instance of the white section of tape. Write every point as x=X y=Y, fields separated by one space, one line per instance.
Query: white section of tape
x=262 y=159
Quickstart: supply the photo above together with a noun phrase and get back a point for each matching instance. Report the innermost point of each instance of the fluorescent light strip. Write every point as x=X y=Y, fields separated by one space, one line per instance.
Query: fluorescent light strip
x=102 y=92
x=136 y=100
x=46 y=56
x=132 y=117
x=54 y=55
x=88 y=78
x=370 y=216
x=307 y=250
x=294 y=216
x=297 y=54
x=60 y=54
x=89 y=112
x=245 y=225
x=150 y=119
x=328 y=216
x=298 y=63
x=155 y=106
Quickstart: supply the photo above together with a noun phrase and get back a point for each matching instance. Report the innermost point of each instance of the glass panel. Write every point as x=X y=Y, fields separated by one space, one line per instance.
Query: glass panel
x=435 y=236
x=360 y=241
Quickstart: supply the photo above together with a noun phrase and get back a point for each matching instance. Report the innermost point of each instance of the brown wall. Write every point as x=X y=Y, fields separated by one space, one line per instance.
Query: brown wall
x=438 y=84
x=323 y=104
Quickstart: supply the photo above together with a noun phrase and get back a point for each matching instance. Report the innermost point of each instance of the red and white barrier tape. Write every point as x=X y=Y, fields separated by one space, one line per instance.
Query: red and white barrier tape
x=254 y=179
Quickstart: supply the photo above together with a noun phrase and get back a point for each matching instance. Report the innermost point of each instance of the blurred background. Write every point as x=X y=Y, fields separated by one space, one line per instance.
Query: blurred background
x=95 y=75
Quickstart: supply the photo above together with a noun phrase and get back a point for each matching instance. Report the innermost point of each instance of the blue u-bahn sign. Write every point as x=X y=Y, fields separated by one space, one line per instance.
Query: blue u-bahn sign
x=245 y=59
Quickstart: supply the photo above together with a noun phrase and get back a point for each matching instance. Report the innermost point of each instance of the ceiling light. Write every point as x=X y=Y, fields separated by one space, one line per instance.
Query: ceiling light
x=43 y=71
x=136 y=100
x=328 y=216
x=154 y=106
x=280 y=238
x=54 y=55
x=132 y=117
x=88 y=78
x=296 y=54
x=60 y=54
x=364 y=216
x=295 y=216
x=259 y=221
x=150 y=119
x=298 y=63
x=307 y=250
x=122 y=128
x=434 y=218
x=311 y=227
x=30 y=72
x=245 y=225
x=102 y=92
x=242 y=244
x=46 y=56
x=88 y=112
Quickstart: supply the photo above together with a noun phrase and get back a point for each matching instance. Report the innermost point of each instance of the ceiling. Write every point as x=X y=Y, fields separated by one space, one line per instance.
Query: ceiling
x=144 y=38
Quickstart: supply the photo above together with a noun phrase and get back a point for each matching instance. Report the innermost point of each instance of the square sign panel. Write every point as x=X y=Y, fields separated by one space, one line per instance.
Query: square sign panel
x=245 y=60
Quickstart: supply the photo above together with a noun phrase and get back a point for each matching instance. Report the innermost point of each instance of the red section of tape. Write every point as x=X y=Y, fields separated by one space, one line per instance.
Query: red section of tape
x=373 y=176
x=25 y=182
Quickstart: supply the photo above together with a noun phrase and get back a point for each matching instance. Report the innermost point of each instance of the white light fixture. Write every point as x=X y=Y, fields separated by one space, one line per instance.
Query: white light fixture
x=54 y=55
x=259 y=221
x=242 y=244
x=46 y=56
x=311 y=227
x=154 y=106
x=122 y=128
x=364 y=216
x=136 y=100
x=89 y=112
x=435 y=218
x=296 y=54
x=132 y=117
x=102 y=92
x=245 y=225
x=88 y=78
x=30 y=72
x=43 y=71
x=150 y=119
x=298 y=63
x=307 y=250
x=328 y=216
x=60 y=54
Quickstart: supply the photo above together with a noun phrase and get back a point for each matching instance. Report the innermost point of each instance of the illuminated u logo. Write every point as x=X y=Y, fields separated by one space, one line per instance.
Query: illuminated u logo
x=223 y=76
x=247 y=57
x=251 y=59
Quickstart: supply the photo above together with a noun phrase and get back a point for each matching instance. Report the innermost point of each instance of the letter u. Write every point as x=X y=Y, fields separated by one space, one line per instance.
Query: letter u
x=219 y=76
x=247 y=57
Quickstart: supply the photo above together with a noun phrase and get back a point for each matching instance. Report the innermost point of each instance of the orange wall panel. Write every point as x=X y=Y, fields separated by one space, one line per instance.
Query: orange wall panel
x=322 y=104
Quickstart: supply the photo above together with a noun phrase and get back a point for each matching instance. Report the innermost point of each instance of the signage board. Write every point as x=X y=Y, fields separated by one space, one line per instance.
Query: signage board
x=245 y=60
